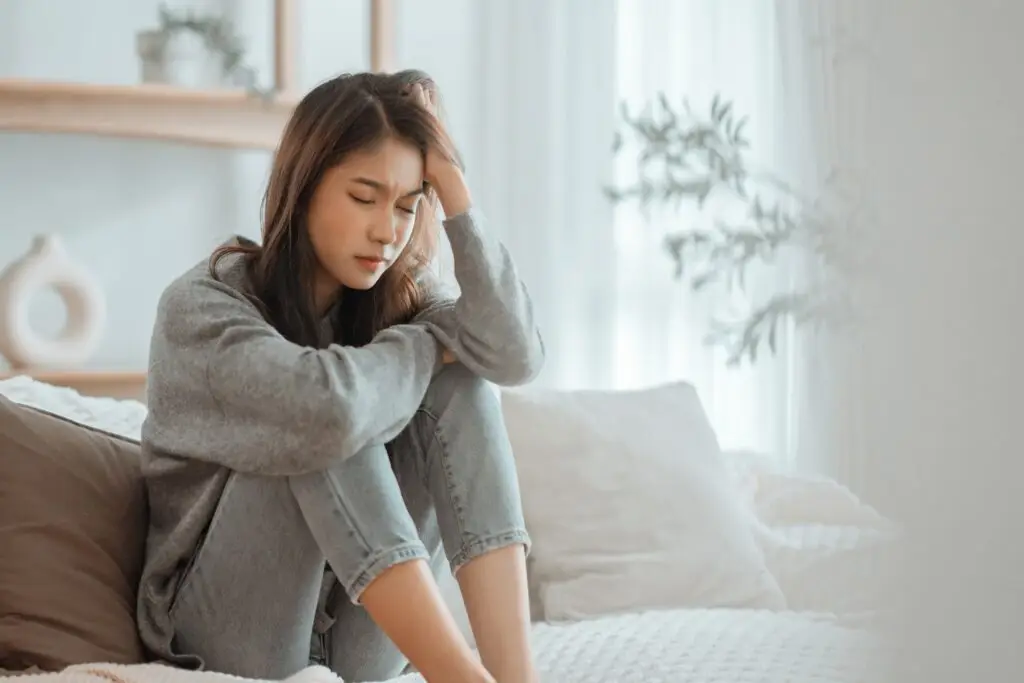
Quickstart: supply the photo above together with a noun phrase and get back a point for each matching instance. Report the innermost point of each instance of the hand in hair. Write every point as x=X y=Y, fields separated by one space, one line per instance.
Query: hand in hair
x=442 y=172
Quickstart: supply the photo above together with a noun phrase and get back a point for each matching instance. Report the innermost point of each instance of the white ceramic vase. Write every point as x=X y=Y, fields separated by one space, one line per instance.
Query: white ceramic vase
x=47 y=264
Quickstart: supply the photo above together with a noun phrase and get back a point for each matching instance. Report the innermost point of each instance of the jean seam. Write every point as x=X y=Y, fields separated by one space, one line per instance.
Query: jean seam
x=377 y=562
x=437 y=438
x=428 y=412
x=449 y=479
x=339 y=502
x=479 y=546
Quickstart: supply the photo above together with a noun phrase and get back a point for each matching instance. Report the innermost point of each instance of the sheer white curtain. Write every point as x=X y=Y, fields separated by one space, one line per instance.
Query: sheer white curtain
x=765 y=57
x=546 y=118
x=555 y=72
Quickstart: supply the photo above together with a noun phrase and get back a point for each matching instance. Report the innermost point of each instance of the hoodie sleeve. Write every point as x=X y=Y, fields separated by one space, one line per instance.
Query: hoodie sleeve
x=489 y=325
x=227 y=388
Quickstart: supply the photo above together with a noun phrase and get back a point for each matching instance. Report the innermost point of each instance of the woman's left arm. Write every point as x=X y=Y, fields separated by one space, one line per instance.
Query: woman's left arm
x=489 y=327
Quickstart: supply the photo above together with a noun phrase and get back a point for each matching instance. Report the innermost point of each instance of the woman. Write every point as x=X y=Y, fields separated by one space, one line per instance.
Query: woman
x=321 y=436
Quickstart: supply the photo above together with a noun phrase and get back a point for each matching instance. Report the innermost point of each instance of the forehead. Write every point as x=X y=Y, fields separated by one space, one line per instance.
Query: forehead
x=393 y=163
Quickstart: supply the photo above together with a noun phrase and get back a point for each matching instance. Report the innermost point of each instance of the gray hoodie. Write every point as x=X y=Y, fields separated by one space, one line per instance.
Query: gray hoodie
x=227 y=392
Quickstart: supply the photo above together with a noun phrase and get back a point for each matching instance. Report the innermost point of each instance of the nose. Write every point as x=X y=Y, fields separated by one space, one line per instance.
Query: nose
x=384 y=229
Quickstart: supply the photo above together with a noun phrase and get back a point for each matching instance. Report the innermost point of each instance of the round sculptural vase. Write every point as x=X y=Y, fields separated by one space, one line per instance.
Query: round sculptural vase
x=47 y=264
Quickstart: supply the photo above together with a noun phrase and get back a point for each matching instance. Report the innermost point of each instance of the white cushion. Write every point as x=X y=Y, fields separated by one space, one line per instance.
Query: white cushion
x=630 y=504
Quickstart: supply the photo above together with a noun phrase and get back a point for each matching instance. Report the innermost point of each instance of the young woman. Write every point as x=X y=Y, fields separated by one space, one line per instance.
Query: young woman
x=321 y=435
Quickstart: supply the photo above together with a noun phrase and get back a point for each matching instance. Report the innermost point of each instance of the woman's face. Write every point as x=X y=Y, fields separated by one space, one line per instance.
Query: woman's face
x=361 y=216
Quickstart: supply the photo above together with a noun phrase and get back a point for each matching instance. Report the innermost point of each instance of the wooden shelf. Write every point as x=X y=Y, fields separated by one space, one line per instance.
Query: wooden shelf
x=213 y=118
x=216 y=118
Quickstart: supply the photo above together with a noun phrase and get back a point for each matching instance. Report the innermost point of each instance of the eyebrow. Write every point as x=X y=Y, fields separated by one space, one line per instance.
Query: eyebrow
x=377 y=185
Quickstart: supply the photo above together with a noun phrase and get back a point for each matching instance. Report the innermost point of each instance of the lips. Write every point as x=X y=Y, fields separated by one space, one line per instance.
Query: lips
x=371 y=262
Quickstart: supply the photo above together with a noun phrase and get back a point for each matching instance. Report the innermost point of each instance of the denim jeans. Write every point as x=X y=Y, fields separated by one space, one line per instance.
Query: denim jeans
x=275 y=584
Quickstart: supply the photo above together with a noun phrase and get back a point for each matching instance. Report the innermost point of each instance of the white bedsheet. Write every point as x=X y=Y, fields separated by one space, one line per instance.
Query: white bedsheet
x=706 y=646
x=822 y=544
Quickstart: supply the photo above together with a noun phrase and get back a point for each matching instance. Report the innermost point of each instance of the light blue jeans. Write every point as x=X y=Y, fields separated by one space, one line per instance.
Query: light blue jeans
x=265 y=585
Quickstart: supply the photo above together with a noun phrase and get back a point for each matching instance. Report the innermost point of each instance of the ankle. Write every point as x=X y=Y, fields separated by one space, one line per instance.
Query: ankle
x=463 y=674
x=529 y=676
x=512 y=667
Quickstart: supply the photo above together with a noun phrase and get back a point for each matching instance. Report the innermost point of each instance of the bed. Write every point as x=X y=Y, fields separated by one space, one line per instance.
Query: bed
x=820 y=543
x=699 y=646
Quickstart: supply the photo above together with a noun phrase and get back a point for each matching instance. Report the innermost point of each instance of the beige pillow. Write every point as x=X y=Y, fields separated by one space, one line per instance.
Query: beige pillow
x=73 y=521
x=630 y=505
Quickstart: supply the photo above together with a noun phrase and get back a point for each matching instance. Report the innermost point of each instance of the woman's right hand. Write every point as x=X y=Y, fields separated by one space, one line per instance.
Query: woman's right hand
x=442 y=170
x=447 y=357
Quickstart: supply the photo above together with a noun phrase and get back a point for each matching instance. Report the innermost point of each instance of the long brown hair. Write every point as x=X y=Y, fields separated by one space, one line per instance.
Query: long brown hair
x=349 y=113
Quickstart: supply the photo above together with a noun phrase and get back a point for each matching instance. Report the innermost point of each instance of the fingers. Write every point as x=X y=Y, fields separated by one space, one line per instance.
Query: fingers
x=424 y=97
x=421 y=95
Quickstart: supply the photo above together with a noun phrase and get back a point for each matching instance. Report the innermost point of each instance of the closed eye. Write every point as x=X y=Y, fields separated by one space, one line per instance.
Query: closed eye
x=404 y=209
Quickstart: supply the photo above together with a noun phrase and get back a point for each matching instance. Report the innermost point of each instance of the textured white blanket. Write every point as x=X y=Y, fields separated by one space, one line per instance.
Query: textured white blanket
x=155 y=673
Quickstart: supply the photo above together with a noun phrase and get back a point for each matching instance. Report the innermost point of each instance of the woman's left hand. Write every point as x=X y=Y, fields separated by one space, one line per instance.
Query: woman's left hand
x=441 y=170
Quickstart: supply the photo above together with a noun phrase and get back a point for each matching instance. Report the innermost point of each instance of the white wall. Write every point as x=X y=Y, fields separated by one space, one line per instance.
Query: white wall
x=939 y=132
x=937 y=136
x=138 y=213
x=133 y=212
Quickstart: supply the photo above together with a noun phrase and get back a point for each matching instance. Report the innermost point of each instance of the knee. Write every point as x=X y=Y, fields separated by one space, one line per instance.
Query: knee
x=457 y=386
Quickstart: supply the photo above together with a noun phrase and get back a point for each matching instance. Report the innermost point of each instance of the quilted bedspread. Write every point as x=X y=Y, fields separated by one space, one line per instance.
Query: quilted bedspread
x=706 y=646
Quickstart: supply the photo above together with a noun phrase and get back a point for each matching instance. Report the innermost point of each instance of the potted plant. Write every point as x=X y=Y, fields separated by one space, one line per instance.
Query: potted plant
x=192 y=50
x=745 y=218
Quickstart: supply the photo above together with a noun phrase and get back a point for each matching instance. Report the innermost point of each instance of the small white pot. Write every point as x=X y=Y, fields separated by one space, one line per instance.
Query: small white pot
x=180 y=59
